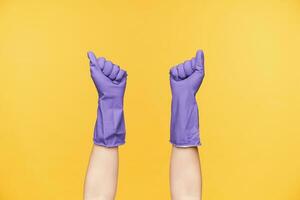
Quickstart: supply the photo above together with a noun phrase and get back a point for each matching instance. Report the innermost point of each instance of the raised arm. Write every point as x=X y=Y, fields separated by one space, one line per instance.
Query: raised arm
x=185 y=172
x=109 y=133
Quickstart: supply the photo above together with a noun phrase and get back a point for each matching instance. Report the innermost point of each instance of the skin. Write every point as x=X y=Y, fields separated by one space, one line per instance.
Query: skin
x=102 y=174
x=185 y=174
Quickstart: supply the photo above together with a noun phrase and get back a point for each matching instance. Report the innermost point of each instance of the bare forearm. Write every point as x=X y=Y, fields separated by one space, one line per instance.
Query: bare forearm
x=185 y=174
x=102 y=174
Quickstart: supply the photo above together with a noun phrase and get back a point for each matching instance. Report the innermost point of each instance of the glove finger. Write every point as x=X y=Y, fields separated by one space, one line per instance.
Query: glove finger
x=193 y=63
x=198 y=73
x=199 y=60
x=114 y=72
x=120 y=75
x=174 y=72
x=187 y=66
x=101 y=62
x=108 y=66
x=92 y=58
x=181 y=72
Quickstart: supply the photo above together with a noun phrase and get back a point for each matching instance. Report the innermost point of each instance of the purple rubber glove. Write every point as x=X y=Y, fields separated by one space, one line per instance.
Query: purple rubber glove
x=185 y=80
x=110 y=82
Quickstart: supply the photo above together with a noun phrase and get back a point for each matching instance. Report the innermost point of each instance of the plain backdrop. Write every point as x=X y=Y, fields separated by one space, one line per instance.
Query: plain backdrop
x=249 y=100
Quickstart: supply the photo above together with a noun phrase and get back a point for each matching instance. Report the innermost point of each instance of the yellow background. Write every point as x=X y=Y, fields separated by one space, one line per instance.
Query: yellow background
x=249 y=100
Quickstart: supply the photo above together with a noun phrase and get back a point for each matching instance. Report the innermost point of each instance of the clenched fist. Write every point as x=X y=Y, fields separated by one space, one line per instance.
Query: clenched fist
x=110 y=82
x=185 y=80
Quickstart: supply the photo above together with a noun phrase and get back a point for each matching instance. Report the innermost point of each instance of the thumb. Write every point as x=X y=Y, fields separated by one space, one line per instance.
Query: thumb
x=199 y=60
x=92 y=58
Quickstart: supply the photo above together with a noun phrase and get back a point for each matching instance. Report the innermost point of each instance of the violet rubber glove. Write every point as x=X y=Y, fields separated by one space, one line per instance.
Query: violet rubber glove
x=185 y=80
x=110 y=82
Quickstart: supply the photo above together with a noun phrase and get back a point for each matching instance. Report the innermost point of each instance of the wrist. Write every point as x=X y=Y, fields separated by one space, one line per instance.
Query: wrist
x=183 y=99
x=111 y=101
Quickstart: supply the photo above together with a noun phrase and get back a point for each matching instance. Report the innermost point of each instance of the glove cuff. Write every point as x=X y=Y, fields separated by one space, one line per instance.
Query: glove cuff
x=110 y=125
x=185 y=122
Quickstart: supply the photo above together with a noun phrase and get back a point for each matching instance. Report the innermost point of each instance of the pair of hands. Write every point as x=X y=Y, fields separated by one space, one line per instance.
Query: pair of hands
x=110 y=81
x=110 y=78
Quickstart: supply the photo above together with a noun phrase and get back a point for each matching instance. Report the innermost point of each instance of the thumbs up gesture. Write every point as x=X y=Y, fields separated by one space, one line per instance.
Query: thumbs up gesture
x=110 y=82
x=185 y=81
x=109 y=79
x=188 y=76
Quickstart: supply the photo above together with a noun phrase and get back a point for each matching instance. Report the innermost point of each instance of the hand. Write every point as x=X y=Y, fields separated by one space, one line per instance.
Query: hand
x=185 y=80
x=187 y=76
x=109 y=79
x=110 y=82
